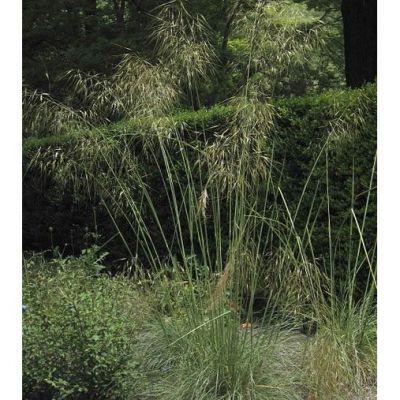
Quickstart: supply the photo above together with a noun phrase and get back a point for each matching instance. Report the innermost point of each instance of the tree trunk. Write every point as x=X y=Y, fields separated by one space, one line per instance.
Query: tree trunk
x=138 y=7
x=229 y=17
x=74 y=28
x=360 y=41
x=90 y=16
x=119 y=10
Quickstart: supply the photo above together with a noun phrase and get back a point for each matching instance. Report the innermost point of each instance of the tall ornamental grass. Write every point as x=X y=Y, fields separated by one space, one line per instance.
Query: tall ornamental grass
x=232 y=240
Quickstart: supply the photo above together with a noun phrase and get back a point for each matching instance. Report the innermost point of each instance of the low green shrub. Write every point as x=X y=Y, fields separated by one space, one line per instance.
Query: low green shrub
x=205 y=118
x=79 y=331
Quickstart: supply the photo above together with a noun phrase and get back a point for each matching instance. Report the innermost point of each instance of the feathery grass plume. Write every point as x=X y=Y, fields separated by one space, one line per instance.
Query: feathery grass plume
x=182 y=43
x=95 y=166
x=347 y=122
x=96 y=95
x=136 y=89
x=203 y=201
x=147 y=90
x=43 y=115
x=240 y=154
x=278 y=37
x=274 y=42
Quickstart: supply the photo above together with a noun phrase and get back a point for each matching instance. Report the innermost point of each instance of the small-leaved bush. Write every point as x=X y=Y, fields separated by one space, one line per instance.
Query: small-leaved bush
x=79 y=330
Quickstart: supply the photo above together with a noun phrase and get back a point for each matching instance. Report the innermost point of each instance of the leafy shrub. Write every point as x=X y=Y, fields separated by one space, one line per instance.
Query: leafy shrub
x=79 y=331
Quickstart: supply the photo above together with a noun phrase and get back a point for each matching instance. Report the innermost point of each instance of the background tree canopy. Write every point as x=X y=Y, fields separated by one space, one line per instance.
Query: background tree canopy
x=92 y=36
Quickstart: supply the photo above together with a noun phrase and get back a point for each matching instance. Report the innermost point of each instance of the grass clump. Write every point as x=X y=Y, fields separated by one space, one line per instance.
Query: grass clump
x=196 y=349
x=341 y=358
x=219 y=360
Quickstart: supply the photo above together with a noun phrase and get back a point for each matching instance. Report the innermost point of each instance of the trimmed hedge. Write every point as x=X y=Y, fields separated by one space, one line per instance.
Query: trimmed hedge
x=192 y=120
x=302 y=131
x=302 y=127
x=290 y=108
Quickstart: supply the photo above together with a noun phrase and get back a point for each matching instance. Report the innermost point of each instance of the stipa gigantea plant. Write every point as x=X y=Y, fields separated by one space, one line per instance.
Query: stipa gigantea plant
x=278 y=37
x=182 y=42
x=43 y=115
x=233 y=368
x=192 y=234
x=230 y=224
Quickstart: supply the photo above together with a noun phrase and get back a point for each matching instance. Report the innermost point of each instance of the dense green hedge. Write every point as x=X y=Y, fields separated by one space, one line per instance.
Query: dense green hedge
x=191 y=120
x=302 y=127
x=314 y=108
x=302 y=131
